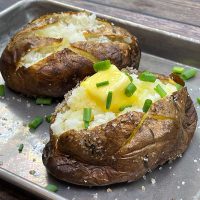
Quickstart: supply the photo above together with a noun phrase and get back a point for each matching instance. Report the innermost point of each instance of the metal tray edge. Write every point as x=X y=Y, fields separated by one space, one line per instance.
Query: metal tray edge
x=28 y=185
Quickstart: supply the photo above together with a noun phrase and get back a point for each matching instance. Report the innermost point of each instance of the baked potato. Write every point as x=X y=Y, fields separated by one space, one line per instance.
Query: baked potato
x=99 y=139
x=53 y=52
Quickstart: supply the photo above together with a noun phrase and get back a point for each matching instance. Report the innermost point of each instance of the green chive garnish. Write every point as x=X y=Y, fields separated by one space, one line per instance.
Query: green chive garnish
x=44 y=101
x=147 y=76
x=102 y=65
x=20 y=148
x=87 y=113
x=187 y=74
x=124 y=107
x=86 y=124
x=198 y=100
x=178 y=86
x=32 y=172
x=130 y=77
x=130 y=89
x=48 y=118
x=35 y=122
x=160 y=91
x=2 y=90
x=147 y=105
x=109 y=100
x=104 y=83
x=52 y=188
x=177 y=70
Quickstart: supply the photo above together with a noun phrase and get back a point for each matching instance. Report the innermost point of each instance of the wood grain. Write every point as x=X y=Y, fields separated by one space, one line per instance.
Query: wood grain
x=186 y=11
x=185 y=30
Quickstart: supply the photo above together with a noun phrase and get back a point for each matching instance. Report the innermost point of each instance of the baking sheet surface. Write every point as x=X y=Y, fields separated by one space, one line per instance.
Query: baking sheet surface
x=175 y=180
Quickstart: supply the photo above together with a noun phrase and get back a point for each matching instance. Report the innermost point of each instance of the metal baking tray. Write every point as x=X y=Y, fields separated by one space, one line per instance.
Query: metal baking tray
x=161 y=50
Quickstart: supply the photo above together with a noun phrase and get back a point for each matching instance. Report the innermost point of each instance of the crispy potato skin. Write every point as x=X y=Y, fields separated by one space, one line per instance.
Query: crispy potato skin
x=59 y=72
x=52 y=76
x=125 y=148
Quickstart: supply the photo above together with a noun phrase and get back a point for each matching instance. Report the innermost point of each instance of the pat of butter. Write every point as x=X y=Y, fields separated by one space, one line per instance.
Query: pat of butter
x=118 y=81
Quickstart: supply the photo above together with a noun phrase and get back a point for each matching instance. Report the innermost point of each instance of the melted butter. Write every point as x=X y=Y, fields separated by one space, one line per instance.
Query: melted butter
x=118 y=82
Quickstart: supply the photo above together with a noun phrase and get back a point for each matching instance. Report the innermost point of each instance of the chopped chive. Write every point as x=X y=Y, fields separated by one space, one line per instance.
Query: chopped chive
x=187 y=74
x=130 y=77
x=87 y=114
x=124 y=107
x=130 y=89
x=44 y=101
x=86 y=124
x=102 y=65
x=147 y=76
x=35 y=122
x=177 y=70
x=2 y=90
x=178 y=86
x=109 y=100
x=198 y=100
x=104 y=83
x=160 y=91
x=52 y=188
x=32 y=172
x=147 y=105
x=48 y=118
x=20 y=148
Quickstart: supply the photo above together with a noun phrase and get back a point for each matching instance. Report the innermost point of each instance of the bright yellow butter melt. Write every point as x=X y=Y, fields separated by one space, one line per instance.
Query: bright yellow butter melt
x=118 y=81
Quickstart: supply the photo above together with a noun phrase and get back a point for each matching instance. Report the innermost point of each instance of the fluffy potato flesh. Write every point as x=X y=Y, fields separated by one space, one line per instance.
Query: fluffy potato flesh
x=90 y=96
x=71 y=28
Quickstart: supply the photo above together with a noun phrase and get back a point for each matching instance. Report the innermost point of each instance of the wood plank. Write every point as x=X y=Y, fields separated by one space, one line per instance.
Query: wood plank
x=186 y=30
x=185 y=11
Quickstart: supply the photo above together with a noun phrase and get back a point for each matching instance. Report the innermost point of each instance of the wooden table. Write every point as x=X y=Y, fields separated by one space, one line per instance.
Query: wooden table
x=178 y=16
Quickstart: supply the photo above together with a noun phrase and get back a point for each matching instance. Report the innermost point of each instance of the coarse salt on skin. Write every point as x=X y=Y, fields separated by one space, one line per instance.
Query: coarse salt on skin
x=28 y=105
x=153 y=181
x=143 y=188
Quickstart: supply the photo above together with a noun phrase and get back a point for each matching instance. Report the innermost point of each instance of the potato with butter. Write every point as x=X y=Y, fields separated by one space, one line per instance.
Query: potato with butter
x=97 y=139
x=54 y=52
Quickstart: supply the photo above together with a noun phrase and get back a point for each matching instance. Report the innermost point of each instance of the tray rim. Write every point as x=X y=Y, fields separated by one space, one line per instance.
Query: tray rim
x=22 y=182
x=28 y=185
